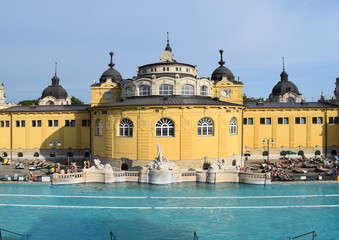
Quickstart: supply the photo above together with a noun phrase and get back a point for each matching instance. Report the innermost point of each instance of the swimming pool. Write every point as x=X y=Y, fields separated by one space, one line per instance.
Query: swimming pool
x=141 y=211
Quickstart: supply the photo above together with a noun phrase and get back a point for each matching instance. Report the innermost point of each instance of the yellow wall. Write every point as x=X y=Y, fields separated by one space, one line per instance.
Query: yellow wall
x=185 y=145
x=30 y=137
x=236 y=91
x=98 y=92
x=290 y=135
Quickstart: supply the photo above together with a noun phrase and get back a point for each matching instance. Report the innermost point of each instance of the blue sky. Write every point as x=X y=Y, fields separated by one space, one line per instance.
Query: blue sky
x=254 y=35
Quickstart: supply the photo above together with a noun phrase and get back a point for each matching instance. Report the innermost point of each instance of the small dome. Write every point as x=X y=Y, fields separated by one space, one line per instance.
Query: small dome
x=111 y=73
x=222 y=71
x=284 y=86
x=55 y=90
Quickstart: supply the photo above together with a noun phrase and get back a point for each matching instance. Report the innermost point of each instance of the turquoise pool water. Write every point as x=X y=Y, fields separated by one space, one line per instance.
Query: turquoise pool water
x=140 y=211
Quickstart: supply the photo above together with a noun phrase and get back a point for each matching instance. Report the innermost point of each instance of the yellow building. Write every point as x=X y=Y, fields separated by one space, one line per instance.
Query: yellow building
x=196 y=120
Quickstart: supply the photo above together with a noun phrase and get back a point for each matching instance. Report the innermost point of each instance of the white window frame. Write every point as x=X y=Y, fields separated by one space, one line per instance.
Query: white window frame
x=187 y=89
x=166 y=89
x=205 y=127
x=164 y=128
x=126 y=128
x=98 y=130
x=203 y=90
x=233 y=126
x=144 y=90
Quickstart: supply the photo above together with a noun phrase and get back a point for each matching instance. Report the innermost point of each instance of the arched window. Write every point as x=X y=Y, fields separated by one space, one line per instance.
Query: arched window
x=20 y=154
x=144 y=90
x=317 y=152
x=301 y=152
x=51 y=154
x=128 y=92
x=205 y=127
x=166 y=89
x=187 y=89
x=203 y=90
x=233 y=126
x=126 y=128
x=87 y=154
x=333 y=152
x=4 y=154
x=164 y=128
x=36 y=154
x=99 y=128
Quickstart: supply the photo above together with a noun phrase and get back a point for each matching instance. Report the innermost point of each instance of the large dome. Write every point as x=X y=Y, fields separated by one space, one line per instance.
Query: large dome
x=55 y=90
x=222 y=71
x=111 y=73
x=284 y=86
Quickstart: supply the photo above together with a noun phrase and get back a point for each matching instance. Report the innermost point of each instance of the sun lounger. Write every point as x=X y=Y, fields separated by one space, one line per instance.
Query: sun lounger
x=6 y=178
x=16 y=177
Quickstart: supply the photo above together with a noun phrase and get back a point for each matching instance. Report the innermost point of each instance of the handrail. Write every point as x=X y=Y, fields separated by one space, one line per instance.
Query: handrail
x=1 y=229
x=314 y=234
x=113 y=237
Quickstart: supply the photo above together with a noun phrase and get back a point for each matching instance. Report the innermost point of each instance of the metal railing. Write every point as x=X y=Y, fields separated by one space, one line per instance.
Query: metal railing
x=21 y=235
x=314 y=234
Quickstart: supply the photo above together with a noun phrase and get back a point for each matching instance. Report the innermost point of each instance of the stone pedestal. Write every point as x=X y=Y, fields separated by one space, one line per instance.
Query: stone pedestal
x=163 y=177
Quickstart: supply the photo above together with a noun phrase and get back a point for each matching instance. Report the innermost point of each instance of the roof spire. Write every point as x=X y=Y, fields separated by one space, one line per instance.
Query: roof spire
x=283 y=60
x=111 y=64
x=56 y=66
x=221 y=62
x=168 y=47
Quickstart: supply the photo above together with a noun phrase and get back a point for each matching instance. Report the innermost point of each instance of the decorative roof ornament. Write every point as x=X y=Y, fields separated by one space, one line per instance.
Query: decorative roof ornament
x=167 y=55
x=168 y=47
x=284 y=75
x=56 y=66
x=221 y=62
x=55 y=79
x=111 y=64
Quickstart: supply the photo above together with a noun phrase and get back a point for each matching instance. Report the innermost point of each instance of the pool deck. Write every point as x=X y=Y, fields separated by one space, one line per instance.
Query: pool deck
x=255 y=163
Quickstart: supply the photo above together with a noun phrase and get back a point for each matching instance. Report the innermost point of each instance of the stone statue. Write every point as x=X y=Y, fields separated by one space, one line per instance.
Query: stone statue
x=159 y=152
x=99 y=167
x=161 y=162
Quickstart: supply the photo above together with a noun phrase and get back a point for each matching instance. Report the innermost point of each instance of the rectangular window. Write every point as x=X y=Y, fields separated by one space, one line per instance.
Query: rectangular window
x=39 y=123
x=50 y=123
x=56 y=123
x=285 y=120
x=262 y=120
x=314 y=120
x=268 y=121
x=84 y=123
x=17 y=123
x=320 y=120
x=23 y=123
x=280 y=120
x=2 y=124
x=66 y=123
x=245 y=121
x=7 y=123
x=72 y=123
x=89 y=123
x=330 y=120
x=164 y=69
x=33 y=123
x=250 y=121
x=297 y=120
x=303 y=120
x=336 y=120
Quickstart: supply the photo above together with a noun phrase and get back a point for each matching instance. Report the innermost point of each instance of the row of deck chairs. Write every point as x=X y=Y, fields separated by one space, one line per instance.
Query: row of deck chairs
x=14 y=178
